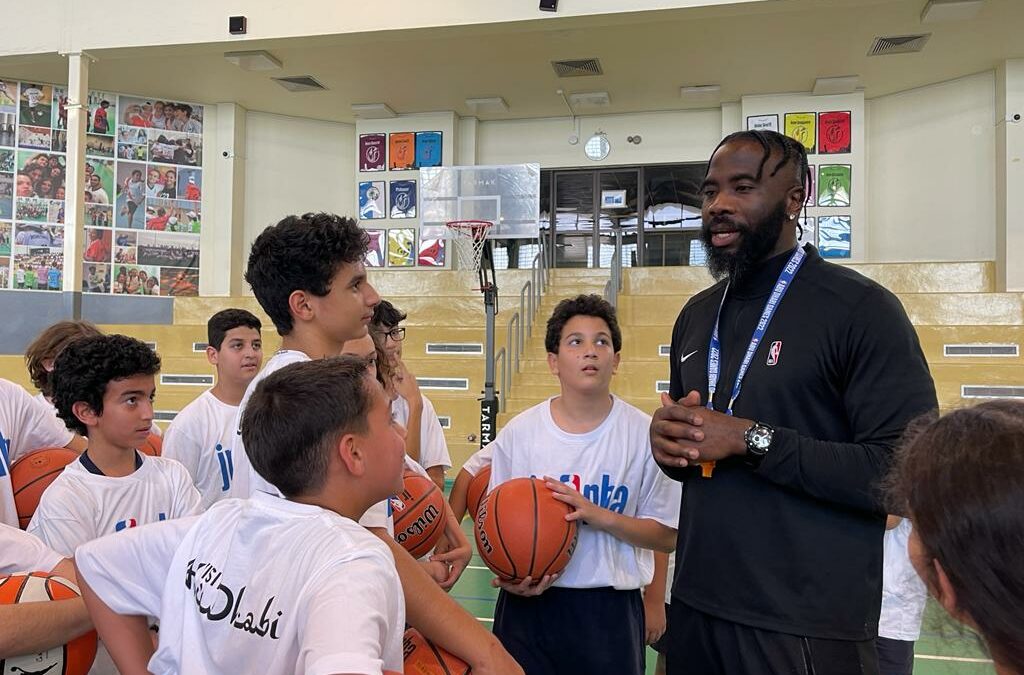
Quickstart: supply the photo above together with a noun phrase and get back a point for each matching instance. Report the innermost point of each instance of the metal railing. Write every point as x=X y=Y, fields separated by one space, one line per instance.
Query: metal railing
x=521 y=322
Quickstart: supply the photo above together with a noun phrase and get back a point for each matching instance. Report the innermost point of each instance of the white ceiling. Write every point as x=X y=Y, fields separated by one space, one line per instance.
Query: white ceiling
x=746 y=48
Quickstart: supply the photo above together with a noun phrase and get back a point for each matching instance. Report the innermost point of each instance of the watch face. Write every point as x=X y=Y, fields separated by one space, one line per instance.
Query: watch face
x=761 y=437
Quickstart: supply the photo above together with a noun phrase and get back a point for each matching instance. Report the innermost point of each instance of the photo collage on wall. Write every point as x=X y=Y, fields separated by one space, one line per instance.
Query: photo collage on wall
x=143 y=191
x=827 y=137
x=396 y=200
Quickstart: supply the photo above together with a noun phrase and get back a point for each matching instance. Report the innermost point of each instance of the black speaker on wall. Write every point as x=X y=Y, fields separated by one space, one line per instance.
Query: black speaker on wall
x=549 y=5
x=236 y=25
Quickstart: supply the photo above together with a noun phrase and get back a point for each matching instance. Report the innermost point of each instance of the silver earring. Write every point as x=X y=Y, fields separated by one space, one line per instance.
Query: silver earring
x=792 y=216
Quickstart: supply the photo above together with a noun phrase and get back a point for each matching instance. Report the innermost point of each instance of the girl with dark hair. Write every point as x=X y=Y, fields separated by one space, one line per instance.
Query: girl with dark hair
x=959 y=479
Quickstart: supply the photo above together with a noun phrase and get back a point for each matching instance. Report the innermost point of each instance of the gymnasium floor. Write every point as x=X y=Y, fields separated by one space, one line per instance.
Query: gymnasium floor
x=942 y=649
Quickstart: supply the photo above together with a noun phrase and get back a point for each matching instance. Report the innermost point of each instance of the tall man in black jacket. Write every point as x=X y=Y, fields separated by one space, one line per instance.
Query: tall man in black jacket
x=779 y=558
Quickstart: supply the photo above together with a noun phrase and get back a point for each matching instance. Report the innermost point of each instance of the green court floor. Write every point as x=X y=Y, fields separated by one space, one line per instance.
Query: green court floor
x=942 y=650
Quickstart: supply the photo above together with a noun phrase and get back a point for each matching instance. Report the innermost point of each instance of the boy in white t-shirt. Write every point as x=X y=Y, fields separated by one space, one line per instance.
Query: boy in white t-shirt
x=201 y=434
x=594 y=451
x=103 y=388
x=903 y=599
x=37 y=626
x=25 y=425
x=269 y=585
x=425 y=441
x=307 y=273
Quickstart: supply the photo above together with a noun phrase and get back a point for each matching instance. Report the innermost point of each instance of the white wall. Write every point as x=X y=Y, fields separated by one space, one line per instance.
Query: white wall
x=667 y=137
x=931 y=172
x=296 y=165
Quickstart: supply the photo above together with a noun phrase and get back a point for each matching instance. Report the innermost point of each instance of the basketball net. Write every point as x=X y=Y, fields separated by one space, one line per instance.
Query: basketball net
x=468 y=238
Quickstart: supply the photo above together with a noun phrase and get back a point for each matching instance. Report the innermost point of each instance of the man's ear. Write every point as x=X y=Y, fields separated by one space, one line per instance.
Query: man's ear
x=85 y=414
x=553 y=363
x=211 y=355
x=946 y=595
x=795 y=198
x=299 y=306
x=352 y=454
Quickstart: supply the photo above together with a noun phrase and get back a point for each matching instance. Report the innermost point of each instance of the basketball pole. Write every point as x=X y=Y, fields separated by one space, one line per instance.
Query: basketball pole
x=489 y=402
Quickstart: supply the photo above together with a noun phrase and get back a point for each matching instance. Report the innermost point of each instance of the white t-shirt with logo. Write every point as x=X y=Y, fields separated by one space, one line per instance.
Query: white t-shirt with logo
x=80 y=506
x=433 y=447
x=200 y=438
x=903 y=593
x=247 y=482
x=24 y=426
x=262 y=585
x=612 y=466
x=21 y=552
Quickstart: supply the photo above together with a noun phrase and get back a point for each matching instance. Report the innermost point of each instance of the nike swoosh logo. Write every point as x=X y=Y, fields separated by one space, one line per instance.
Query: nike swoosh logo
x=682 y=359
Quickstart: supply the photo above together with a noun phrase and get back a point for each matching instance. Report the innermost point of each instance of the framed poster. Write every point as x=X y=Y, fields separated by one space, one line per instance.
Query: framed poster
x=801 y=127
x=834 y=236
x=431 y=253
x=402 y=247
x=834 y=184
x=402 y=151
x=403 y=199
x=375 y=250
x=763 y=123
x=371 y=200
x=808 y=225
x=371 y=152
x=428 y=148
x=834 y=132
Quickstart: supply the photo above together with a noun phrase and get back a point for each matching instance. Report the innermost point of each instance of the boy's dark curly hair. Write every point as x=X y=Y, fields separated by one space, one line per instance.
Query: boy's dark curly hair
x=581 y=305
x=301 y=253
x=83 y=369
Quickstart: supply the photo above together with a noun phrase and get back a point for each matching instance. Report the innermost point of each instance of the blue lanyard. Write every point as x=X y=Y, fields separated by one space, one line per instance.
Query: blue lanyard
x=715 y=350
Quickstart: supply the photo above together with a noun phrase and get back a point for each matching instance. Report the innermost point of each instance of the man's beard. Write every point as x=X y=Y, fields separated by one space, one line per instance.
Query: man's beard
x=756 y=242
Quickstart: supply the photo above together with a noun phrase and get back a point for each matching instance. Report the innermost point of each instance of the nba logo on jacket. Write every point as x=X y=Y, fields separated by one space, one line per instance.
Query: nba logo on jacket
x=773 y=352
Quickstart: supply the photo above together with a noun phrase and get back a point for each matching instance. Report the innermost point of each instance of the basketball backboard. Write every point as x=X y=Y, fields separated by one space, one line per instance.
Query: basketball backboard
x=508 y=196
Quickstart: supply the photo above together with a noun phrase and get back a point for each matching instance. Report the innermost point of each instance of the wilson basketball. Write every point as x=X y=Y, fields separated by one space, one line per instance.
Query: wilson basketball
x=477 y=490
x=153 y=446
x=32 y=474
x=423 y=657
x=418 y=511
x=521 y=531
x=74 y=658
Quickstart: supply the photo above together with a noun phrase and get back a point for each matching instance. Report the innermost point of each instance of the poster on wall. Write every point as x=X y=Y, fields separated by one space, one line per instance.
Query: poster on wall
x=801 y=127
x=834 y=132
x=834 y=236
x=401 y=151
x=375 y=249
x=428 y=149
x=371 y=152
x=431 y=253
x=371 y=200
x=763 y=123
x=812 y=186
x=35 y=102
x=401 y=247
x=834 y=184
x=808 y=225
x=403 y=199
x=102 y=113
x=8 y=98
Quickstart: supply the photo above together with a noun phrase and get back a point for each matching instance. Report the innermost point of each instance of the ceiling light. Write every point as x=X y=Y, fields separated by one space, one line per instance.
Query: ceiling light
x=700 y=90
x=492 y=104
x=825 y=86
x=253 y=60
x=596 y=99
x=950 y=10
x=372 y=111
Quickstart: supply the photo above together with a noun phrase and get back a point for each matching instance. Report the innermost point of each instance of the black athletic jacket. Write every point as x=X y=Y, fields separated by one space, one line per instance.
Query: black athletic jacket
x=795 y=546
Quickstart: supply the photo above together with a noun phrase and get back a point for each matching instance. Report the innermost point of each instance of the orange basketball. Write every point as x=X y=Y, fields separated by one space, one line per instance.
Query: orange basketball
x=32 y=474
x=74 y=658
x=419 y=514
x=423 y=657
x=521 y=531
x=153 y=446
x=477 y=490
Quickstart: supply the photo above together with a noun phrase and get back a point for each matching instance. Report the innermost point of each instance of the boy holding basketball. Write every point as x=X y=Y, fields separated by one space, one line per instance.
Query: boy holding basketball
x=269 y=585
x=593 y=449
x=201 y=434
x=307 y=274
x=103 y=388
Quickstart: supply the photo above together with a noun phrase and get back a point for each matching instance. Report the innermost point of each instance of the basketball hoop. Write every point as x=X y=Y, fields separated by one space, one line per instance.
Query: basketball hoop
x=469 y=238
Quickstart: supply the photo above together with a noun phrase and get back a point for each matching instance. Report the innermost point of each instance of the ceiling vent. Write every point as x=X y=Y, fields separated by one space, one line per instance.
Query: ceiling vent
x=898 y=44
x=299 y=83
x=577 y=68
